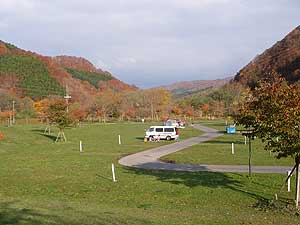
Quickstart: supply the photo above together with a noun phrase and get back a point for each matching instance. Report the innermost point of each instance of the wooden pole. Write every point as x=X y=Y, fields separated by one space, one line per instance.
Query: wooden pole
x=232 y=148
x=245 y=140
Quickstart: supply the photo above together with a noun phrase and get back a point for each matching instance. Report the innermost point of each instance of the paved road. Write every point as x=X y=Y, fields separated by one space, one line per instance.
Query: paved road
x=149 y=159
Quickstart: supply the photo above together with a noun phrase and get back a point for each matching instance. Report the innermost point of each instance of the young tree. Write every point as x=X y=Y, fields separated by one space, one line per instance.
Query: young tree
x=57 y=114
x=77 y=113
x=273 y=112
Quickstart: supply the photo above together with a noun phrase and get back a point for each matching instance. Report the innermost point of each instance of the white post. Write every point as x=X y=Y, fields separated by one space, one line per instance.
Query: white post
x=245 y=140
x=80 y=146
x=13 y=115
x=289 y=181
x=119 y=139
x=232 y=148
x=113 y=172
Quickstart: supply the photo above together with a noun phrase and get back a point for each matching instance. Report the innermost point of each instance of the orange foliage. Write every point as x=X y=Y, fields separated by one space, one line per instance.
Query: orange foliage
x=41 y=108
x=3 y=49
x=78 y=115
x=6 y=115
x=205 y=108
x=176 y=110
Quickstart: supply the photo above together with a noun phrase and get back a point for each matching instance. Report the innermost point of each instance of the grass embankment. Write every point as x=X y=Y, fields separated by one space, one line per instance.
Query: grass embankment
x=43 y=182
x=218 y=151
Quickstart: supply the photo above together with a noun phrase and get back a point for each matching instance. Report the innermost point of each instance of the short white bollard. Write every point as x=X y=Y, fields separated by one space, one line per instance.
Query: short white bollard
x=119 y=139
x=113 y=172
x=80 y=146
x=232 y=148
x=245 y=140
x=289 y=181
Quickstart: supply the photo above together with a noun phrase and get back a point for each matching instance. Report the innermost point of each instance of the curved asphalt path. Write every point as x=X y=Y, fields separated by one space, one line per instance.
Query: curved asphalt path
x=149 y=159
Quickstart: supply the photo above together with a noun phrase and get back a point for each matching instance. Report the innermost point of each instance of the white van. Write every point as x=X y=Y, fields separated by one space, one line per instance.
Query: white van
x=163 y=132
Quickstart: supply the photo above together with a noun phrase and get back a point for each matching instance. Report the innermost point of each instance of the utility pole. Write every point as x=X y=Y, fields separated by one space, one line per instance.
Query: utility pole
x=67 y=97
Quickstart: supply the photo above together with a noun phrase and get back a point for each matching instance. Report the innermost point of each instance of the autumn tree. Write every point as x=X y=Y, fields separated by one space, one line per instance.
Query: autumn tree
x=41 y=108
x=58 y=115
x=104 y=104
x=77 y=113
x=273 y=113
x=7 y=116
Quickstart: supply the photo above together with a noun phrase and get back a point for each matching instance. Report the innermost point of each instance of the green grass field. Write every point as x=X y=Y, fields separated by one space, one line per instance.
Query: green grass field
x=43 y=182
x=218 y=151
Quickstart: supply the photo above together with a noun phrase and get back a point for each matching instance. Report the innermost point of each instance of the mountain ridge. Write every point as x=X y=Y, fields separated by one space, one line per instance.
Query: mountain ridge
x=183 y=88
x=282 y=58
x=20 y=75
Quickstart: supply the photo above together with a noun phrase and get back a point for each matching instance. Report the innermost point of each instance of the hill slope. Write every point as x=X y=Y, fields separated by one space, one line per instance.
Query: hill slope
x=26 y=73
x=185 y=88
x=282 y=58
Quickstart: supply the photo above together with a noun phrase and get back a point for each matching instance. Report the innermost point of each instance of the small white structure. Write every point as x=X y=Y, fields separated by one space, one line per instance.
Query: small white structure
x=80 y=146
x=119 y=139
x=113 y=172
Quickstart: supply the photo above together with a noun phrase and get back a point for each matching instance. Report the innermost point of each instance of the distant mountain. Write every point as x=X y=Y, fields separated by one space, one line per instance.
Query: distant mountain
x=282 y=58
x=26 y=73
x=185 y=88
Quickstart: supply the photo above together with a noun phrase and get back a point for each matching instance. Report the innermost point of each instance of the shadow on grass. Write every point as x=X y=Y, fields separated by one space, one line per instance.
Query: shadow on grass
x=11 y=214
x=103 y=177
x=139 y=138
x=38 y=130
x=200 y=178
x=225 y=142
x=41 y=132
x=51 y=137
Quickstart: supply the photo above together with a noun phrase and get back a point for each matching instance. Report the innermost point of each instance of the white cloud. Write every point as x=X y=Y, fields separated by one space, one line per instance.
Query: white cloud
x=16 y=6
x=164 y=40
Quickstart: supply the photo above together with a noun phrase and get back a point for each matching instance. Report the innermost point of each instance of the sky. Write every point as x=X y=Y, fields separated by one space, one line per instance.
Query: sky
x=151 y=43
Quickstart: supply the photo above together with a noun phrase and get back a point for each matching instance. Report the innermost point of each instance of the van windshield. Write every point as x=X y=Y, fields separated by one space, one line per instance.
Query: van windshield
x=151 y=129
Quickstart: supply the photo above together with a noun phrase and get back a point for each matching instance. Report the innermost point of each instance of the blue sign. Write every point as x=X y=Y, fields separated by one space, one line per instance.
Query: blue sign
x=230 y=130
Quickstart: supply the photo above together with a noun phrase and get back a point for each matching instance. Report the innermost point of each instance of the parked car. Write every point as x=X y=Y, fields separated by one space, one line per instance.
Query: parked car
x=162 y=132
x=176 y=123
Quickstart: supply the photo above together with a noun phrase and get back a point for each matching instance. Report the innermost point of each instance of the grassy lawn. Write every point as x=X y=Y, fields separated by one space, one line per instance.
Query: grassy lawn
x=218 y=151
x=52 y=183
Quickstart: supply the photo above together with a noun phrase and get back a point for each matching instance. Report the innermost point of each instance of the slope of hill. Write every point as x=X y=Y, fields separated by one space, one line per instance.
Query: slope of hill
x=26 y=73
x=282 y=58
x=185 y=88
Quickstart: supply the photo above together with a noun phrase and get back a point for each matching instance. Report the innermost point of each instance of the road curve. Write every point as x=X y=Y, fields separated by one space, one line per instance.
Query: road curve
x=149 y=159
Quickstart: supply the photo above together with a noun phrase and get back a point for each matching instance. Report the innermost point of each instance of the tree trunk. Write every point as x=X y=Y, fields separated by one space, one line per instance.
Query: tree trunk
x=297 y=160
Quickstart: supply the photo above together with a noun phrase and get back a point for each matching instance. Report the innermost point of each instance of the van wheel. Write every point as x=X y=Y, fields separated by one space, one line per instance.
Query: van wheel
x=168 y=138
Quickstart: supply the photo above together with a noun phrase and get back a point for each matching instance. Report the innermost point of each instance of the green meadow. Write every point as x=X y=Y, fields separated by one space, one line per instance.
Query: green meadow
x=218 y=151
x=43 y=182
